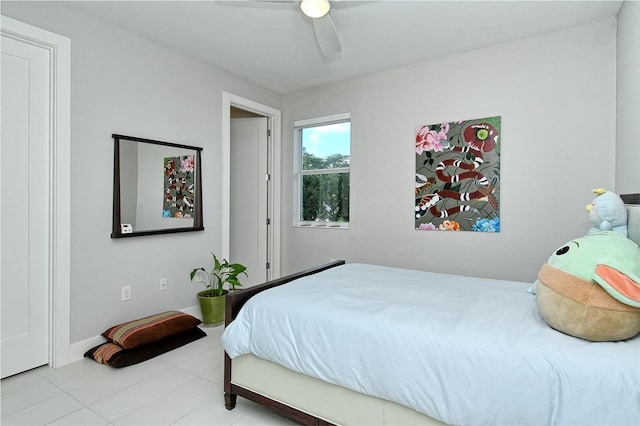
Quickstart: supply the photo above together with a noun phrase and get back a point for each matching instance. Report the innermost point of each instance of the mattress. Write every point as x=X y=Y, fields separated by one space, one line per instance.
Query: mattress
x=462 y=350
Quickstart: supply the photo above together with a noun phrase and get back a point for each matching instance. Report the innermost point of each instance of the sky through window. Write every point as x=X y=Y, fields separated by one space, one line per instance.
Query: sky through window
x=324 y=141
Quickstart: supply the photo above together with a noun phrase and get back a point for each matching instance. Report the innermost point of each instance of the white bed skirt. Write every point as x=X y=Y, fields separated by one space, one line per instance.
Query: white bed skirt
x=327 y=401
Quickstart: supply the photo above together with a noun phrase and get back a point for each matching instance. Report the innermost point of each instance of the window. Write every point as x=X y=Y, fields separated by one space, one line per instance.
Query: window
x=322 y=160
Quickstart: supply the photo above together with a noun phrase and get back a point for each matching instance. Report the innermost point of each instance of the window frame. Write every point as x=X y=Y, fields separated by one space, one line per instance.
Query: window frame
x=299 y=173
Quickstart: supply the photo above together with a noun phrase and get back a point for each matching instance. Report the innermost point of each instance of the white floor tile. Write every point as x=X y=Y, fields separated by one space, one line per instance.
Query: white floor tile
x=113 y=380
x=86 y=369
x=249 y=413
x=82 y=417
x=216 y=376
x=246 y=413
x=210 y=413
x=20 y=381
x=203 y=362
x=44 y=412
x=173 y=406
x=27 y=397
x=137 y=396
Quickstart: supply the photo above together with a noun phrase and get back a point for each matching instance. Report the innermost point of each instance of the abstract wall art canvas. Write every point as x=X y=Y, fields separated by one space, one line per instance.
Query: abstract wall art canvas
x=457 y=184
x=179 y=187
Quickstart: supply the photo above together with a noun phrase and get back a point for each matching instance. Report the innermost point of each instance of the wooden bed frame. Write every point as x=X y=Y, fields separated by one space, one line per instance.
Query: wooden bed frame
x=302 y=398
x=235 y=301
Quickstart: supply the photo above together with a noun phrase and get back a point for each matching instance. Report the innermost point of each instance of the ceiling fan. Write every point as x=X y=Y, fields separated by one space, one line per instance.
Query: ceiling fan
x=325 y=29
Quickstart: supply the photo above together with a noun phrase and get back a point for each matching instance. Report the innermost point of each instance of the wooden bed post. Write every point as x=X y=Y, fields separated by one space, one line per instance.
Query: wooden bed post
x=229 y=397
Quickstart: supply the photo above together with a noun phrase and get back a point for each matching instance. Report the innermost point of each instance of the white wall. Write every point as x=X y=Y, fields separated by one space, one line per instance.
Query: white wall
x=556 y=95
x=124 y=84
x=628 y=110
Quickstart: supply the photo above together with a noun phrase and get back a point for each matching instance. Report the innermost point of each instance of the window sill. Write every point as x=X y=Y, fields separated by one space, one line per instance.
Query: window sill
x=321 y=225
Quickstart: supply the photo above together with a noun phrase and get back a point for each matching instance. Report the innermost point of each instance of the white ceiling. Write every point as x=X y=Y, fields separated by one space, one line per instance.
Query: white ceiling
x=273 y=43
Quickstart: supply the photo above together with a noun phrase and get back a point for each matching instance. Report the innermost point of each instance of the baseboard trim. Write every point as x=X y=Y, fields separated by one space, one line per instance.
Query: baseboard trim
x=78 y=349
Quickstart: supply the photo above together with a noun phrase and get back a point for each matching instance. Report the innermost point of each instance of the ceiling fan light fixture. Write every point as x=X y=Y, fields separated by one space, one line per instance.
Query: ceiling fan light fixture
x=315 y=8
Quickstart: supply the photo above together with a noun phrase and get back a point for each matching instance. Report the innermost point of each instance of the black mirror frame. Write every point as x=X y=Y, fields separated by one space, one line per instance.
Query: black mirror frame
x=116 y=231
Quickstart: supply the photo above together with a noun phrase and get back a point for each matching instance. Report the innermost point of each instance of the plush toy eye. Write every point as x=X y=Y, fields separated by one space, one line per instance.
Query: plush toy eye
x=562 y=250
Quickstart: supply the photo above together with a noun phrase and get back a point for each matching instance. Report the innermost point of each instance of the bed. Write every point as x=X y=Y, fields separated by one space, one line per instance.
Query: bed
x=422 y=348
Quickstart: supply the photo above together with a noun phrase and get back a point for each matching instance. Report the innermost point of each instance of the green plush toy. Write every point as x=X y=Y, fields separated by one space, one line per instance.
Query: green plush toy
x=590 y=288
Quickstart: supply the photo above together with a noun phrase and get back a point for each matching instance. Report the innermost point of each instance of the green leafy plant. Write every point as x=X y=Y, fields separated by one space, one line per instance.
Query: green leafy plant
x=222 y=272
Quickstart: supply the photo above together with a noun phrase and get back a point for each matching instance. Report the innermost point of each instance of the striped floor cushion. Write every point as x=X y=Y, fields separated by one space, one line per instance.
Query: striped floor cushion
x=133 y=334
x=116 y=356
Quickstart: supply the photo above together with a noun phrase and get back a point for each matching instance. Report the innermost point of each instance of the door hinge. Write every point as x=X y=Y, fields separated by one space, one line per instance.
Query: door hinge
x=268 y=177
x=268 y=265
x=268 y=221
x=268 y=132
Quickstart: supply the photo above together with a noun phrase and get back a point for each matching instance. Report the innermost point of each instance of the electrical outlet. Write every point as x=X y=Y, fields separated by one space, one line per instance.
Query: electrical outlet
x=126 y=293
x=163 y=284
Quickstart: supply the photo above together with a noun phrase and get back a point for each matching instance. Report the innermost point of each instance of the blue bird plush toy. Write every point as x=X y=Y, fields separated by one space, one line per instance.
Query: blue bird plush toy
x=607 y=213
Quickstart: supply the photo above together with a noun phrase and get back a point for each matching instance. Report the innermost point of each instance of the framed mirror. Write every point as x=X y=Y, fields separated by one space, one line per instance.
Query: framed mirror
x=157 y=187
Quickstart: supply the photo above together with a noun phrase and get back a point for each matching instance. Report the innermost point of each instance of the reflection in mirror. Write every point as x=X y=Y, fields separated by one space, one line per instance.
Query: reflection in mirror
x=157 y=187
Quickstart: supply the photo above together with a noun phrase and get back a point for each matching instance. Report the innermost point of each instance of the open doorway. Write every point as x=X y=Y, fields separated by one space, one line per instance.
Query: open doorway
x=250 y=194
x=251 y=141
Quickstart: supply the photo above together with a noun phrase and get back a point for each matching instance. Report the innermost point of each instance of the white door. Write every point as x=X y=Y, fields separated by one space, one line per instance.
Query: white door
x=25 y=206
x=249 y=197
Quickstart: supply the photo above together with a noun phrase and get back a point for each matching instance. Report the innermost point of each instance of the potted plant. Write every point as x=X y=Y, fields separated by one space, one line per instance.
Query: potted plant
x=212 y=299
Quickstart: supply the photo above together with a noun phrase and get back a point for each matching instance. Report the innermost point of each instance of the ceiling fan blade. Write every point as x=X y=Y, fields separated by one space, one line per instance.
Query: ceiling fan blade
x=327 y=36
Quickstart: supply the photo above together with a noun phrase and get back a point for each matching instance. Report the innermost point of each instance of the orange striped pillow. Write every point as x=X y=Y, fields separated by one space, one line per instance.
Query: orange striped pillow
x=104 y=352
x=150 y=329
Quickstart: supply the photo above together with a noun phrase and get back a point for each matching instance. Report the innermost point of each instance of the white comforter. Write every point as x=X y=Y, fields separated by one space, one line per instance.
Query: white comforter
x=462 y=350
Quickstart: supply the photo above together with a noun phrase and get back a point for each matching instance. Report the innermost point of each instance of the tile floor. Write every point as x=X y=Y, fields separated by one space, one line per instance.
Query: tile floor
x=181 y=387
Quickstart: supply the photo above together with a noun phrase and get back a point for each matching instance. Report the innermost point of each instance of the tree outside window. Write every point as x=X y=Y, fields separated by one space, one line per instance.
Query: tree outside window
x=323 y=173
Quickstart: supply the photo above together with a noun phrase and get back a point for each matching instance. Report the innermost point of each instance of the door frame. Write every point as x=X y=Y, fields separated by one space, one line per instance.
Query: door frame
x=59 y=230
x=274 y=117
